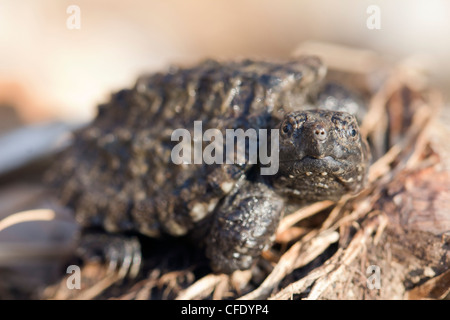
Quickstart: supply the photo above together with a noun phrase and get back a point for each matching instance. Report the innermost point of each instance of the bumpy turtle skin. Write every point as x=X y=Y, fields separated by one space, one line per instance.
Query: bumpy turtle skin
x=119 y=175
x=119 y=172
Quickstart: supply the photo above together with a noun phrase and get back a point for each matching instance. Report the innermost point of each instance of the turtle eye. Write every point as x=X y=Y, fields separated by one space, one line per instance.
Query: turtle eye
x=352 y=131
x=286 y=128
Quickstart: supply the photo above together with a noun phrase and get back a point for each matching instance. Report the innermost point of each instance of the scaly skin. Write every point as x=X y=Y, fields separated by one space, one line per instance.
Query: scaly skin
x=118 y=175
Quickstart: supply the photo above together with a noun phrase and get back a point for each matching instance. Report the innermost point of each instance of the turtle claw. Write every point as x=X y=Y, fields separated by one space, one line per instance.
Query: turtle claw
x=120 y=254
x=126 y=260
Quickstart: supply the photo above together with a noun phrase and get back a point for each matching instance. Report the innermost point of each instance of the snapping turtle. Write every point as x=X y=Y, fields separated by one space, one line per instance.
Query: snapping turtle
x=119 y=174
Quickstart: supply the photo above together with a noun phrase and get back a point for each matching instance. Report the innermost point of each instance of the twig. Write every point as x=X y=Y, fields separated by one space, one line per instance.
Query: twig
x=293 y=259
x=201 y=288
x=346 y=258
x=302 y=213
x=27 y=216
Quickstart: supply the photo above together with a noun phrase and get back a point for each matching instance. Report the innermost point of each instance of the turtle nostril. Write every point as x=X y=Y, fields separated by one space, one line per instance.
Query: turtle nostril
x=319 y=132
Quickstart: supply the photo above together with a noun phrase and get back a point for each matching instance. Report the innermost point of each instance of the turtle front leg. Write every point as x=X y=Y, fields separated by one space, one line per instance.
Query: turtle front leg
x=243 y=226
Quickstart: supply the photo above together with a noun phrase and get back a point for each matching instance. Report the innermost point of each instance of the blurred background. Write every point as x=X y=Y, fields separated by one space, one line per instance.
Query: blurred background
x=48 y=71
x=52 y=77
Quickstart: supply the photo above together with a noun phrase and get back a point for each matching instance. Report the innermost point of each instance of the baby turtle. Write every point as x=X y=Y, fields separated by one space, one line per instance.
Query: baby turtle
x=120 y=175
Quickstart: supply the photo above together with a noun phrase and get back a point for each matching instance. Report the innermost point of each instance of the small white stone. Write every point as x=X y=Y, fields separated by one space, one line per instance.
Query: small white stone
x=291 y=176
x=324 y=173
x=308 y=173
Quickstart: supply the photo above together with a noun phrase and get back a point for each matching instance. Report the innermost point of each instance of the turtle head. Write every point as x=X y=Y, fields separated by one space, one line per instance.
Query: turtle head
x=322 y=154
